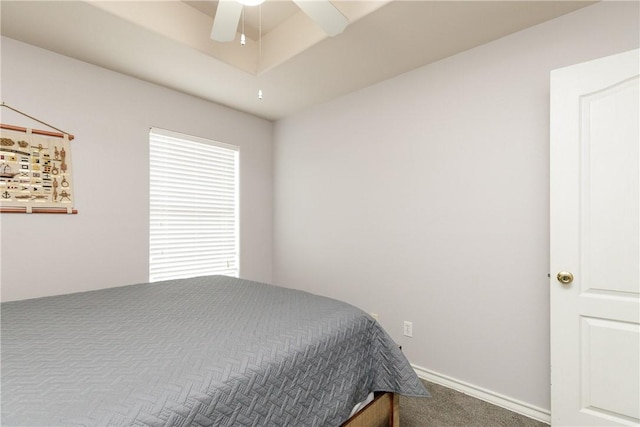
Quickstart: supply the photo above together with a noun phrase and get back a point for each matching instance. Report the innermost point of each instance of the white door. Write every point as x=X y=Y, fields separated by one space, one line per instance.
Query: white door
x=595 y=229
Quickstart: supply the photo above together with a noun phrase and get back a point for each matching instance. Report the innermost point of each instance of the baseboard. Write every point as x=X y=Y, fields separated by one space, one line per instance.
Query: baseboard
x=489 y=396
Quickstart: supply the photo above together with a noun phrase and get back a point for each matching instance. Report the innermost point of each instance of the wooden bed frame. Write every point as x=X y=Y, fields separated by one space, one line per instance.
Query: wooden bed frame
x=382 y=411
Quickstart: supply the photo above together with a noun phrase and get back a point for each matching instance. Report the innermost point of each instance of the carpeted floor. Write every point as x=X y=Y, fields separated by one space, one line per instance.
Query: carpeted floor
x=450 y=408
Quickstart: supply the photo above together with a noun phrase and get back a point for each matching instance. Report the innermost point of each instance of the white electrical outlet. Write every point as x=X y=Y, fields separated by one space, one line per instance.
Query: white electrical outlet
x=374 y=315
x=408 y=329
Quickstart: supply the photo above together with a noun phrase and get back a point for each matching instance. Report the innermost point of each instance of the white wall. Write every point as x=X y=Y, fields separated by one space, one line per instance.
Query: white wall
x=425 y=198
x=110 y=114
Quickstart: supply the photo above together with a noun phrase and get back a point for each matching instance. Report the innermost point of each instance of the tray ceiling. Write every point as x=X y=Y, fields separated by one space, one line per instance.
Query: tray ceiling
x=294 y=63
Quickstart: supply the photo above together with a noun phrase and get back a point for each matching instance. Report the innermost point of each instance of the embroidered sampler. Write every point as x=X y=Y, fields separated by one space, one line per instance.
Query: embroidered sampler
x=35 y=171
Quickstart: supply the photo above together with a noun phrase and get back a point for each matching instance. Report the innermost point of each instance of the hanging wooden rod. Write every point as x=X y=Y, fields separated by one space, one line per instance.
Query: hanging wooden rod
x=59 y=134
x=36 y=131
x=21 y=209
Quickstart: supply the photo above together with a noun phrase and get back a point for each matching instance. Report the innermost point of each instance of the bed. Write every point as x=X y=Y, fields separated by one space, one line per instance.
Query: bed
x=207 y=351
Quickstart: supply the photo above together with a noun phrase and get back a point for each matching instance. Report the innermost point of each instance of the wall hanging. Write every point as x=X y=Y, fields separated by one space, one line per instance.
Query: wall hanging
x=35 y=169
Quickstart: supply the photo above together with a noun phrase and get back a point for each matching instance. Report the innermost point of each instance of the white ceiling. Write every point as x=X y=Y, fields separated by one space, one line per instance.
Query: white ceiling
x=294 y=63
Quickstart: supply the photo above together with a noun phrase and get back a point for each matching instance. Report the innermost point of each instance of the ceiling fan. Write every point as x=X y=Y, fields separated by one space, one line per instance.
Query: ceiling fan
x=322 y=12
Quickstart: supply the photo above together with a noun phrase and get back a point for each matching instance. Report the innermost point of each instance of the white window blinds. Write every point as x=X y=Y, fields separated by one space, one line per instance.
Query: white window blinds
x=193 y=207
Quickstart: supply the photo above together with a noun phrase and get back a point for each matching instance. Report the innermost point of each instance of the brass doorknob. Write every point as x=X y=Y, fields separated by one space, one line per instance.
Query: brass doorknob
x=565 y=277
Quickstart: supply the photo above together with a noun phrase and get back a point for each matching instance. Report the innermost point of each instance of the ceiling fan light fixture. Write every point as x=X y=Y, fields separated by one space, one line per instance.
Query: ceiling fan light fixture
x=250 y=2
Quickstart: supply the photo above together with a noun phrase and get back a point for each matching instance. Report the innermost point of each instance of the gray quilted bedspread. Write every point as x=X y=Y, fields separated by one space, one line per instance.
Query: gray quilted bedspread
x=208 y=351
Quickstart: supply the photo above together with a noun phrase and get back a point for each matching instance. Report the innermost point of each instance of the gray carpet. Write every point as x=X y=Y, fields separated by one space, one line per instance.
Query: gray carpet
x=450 y=408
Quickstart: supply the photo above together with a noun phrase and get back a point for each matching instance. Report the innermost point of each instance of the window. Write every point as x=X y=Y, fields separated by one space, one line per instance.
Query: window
x=193 y=207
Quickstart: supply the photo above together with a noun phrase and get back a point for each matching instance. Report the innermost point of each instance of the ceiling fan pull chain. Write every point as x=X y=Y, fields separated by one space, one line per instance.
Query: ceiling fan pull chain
x=243 y=39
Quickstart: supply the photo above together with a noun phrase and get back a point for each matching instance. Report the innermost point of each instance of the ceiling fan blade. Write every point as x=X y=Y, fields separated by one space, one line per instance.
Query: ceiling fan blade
x=326 y=15
x=225 y=23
